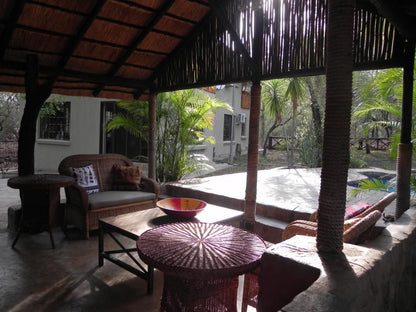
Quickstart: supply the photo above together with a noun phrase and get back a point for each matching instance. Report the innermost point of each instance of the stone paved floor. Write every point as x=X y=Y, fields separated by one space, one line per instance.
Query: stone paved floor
x=34 y=277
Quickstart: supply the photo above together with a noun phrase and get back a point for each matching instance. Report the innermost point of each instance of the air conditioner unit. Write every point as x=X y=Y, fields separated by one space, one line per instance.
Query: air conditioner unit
x=238 y=119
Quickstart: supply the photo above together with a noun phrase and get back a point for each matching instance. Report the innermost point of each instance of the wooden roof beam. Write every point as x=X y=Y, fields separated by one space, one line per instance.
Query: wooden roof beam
x=94 y=78
x=10 y=25
x=136 y=41
x=172 y=56
x=73 y=44
x=404 y=23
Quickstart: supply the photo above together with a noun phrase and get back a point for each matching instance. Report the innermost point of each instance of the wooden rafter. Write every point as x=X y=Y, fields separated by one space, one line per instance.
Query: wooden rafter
x=73 y=44
x=95 y=78
x=140 y=36
x=171 y=57
x=11 y=24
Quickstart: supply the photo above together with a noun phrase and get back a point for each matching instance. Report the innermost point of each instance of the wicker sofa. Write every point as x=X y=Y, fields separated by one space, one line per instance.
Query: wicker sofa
x=83 y=210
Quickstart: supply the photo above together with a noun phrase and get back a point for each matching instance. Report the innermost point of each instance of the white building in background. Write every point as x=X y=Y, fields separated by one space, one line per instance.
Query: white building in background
x=79 y=128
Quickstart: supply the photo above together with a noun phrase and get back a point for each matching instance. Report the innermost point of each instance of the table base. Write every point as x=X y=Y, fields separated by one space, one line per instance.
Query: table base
x=39 y=213
x=111 y=255
x=213 y=295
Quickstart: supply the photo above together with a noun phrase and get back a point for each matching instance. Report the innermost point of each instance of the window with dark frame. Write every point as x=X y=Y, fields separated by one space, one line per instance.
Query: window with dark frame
x=228 y=121
x=55 y=126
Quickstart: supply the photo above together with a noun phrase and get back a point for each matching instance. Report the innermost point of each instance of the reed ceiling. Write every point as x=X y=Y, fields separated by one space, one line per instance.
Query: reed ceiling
x=122 y=48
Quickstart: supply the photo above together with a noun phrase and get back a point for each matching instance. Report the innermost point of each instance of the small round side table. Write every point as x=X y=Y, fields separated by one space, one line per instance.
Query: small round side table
x=201 y=263
x=33 y=188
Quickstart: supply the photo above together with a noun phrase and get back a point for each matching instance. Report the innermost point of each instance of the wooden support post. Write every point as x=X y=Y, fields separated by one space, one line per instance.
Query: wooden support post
x=253 y=136
x=152 y=136
x=404 y=156
x=336 y=153
x=252 y=158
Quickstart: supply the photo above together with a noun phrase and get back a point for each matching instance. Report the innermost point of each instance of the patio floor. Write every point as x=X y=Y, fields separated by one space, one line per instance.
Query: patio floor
x=34 y=277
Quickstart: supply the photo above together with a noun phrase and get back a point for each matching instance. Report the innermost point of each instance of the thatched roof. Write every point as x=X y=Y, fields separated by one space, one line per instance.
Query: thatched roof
x=123 y=48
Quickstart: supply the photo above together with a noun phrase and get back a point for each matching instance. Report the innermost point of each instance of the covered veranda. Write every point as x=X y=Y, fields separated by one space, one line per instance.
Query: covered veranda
x=102 y=48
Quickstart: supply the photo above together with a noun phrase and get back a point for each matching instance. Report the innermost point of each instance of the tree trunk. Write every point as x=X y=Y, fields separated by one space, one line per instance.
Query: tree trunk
x=274 y=126
x=316 y=112
x=35 y=97
x=335 y=158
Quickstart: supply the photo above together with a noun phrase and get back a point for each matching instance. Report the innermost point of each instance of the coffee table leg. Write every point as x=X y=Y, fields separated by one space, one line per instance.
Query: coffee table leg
x=100 y=245
x=150 y=280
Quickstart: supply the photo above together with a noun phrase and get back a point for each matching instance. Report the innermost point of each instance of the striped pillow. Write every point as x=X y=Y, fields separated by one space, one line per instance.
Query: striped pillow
x=356 y=209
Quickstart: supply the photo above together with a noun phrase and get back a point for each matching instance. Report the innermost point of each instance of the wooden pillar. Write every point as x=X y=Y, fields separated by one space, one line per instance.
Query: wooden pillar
x=152 y=136
x=404 y=155
x=252 y=158
x=335 y=155
x=36 y=95
x=253 y=135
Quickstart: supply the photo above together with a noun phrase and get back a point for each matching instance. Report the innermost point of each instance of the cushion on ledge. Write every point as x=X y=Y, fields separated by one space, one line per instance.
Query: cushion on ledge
x=356 y=209
x=127 y=178
x=86 y=178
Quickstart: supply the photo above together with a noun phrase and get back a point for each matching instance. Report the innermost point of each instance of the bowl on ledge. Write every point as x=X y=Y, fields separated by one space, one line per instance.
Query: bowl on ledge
x=181 y=208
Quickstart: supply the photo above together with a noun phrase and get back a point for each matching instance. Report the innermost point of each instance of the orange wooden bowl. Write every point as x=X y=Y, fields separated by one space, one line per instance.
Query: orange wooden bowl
x=181 y=208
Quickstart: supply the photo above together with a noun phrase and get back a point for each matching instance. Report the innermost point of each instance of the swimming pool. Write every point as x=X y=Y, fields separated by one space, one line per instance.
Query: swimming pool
x=376 y=180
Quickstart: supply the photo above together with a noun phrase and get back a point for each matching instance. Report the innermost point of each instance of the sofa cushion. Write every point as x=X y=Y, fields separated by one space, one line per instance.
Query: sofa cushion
x=127 y=178
x=113 y=198
x=355 y=210
x=86 y=178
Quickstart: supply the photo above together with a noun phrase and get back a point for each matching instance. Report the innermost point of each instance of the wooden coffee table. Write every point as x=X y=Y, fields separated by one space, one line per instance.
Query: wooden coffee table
x=132 y=225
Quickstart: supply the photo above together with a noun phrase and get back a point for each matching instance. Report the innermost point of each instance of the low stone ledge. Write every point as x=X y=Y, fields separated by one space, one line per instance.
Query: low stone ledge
x=377 y=276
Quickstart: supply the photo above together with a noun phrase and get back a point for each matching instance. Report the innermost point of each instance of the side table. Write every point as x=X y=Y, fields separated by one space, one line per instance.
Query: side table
x=34 y=188
x=201 y=263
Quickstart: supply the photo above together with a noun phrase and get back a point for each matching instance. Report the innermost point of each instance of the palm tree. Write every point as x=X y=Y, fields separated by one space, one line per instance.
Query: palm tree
x=378 y=101
x=275 y=104
x=133 y=119
x=181 y=118
x=295 y=92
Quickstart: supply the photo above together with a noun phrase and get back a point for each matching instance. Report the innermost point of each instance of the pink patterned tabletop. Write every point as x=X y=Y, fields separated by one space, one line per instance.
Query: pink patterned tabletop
x=200 y=250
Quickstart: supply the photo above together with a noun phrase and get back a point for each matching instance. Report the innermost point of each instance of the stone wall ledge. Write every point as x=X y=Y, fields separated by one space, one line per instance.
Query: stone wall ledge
x=379 y=275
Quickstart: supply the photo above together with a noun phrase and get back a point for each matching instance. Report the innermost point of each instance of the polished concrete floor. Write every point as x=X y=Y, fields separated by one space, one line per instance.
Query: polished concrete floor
x=35 y=277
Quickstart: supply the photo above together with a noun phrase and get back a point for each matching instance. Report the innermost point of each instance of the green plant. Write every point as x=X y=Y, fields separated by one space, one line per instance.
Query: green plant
x=356 y=162
x=181 y=118
x=309 y=148
x=371 y=184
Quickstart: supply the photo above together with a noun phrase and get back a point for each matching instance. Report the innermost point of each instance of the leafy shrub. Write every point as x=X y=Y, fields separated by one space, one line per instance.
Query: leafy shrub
x=357 y=163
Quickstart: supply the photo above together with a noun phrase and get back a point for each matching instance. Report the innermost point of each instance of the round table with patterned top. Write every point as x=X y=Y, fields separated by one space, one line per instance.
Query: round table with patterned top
x=201 y=263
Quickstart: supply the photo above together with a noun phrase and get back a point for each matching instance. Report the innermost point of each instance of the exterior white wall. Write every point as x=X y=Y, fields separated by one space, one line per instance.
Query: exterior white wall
x=85 y=131
x=224 y=149
x=84 y=135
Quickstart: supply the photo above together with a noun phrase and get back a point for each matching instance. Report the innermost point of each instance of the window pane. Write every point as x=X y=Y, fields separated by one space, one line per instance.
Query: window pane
x=228 y=119
x=55 y=124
